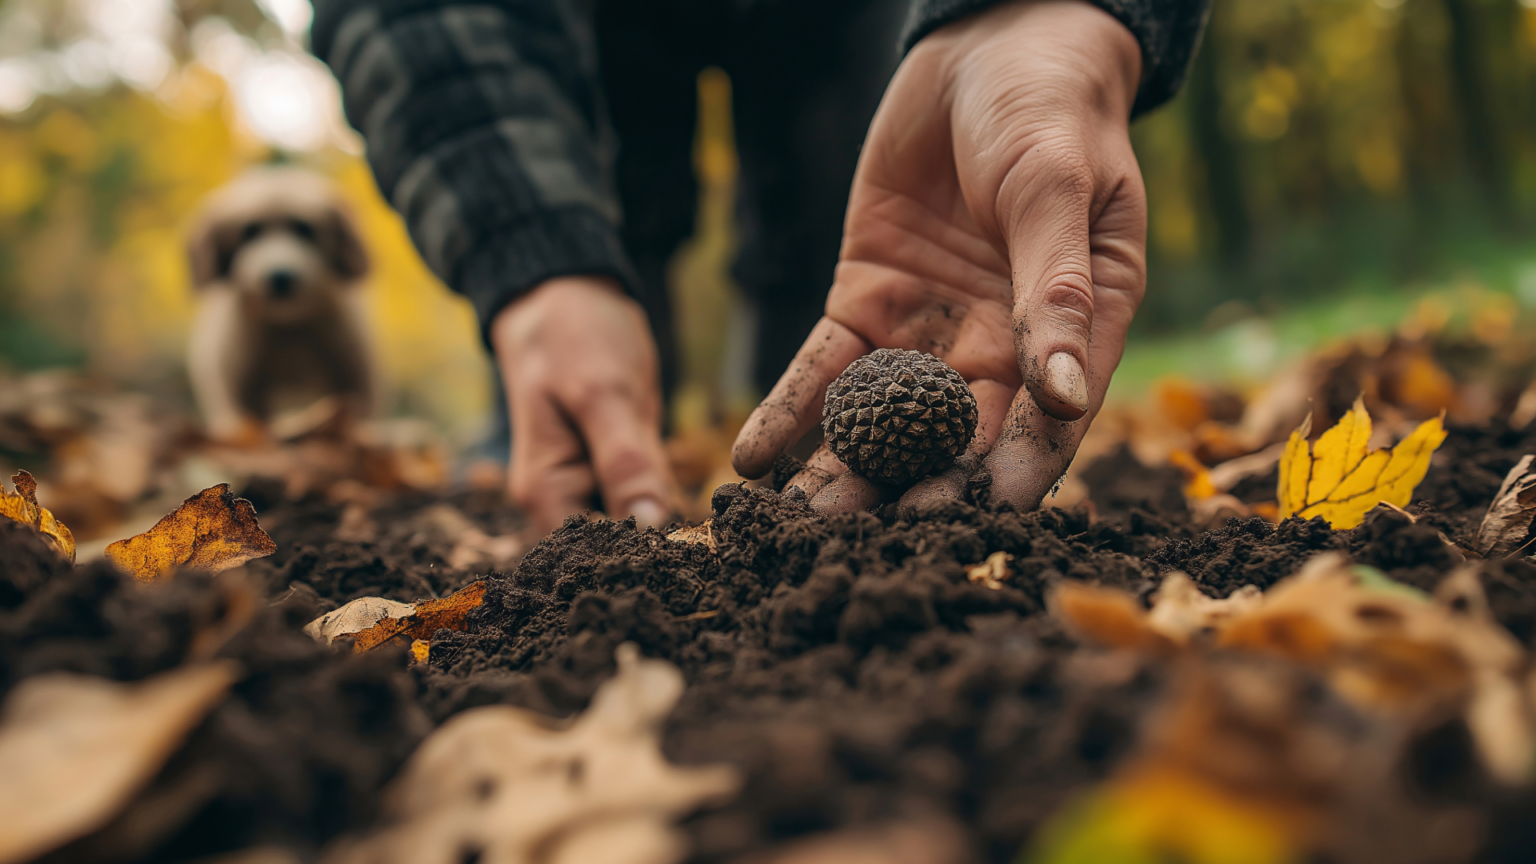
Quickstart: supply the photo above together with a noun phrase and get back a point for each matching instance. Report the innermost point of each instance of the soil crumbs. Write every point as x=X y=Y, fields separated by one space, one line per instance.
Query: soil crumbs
x=846 y=664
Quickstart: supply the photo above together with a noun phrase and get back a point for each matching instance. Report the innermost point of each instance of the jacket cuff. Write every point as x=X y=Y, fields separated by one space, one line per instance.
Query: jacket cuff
x=519 y=257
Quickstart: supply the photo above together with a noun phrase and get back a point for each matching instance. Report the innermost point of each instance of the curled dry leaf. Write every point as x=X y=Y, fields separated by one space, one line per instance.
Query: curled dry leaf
x=498 y=784
x=211 y=531
x=1179 y=613
x=1382 y=645
x=702 y=534
x=1339 y=479
x=991 y=572
x=355 y=617
x=75 y=749
x=1507 y=526
x=1198 y=484
x=22 y=506
x=428 y=617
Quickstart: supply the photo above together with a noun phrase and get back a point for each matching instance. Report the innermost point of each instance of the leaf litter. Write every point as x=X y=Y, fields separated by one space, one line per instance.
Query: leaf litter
x=858 y=679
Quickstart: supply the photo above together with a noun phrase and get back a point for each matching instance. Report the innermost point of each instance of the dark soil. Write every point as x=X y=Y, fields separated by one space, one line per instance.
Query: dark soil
x=846 y=663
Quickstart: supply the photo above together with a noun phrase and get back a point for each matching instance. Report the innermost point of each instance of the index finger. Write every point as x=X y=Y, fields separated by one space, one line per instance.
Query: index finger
x=793 y=407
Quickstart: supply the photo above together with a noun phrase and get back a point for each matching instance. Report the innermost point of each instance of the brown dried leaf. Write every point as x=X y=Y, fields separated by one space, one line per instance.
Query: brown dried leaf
x=75 y=749
x=430 y=616
x=22 y=506
x=1107 y=616
x=1507 y=526
x=501 y=781
x=992 y=572
x=211 y=531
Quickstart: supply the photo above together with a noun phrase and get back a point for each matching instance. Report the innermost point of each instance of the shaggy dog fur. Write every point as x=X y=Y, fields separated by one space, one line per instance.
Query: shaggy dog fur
x=277 y=262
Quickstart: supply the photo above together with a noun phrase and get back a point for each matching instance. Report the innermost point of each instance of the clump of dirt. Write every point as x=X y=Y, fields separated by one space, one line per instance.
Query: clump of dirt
x=297 y=753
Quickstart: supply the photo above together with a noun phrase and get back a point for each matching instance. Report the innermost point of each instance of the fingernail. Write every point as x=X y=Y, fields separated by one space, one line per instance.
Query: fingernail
x=648 y=513
x=1064 y=376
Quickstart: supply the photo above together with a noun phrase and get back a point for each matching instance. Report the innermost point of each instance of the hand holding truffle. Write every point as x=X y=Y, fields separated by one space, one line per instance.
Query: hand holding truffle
x=997 y=222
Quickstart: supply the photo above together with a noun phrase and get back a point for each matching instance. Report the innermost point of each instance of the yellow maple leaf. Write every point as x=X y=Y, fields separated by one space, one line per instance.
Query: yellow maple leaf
x=211 y=531
x=22 y=506
x=1339 y=480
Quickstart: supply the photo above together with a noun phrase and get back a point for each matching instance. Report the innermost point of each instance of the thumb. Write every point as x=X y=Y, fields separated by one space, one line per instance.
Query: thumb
x=1053 y=291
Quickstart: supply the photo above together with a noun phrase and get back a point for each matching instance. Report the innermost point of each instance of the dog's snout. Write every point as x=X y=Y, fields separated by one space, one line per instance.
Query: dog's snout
x=282 y=283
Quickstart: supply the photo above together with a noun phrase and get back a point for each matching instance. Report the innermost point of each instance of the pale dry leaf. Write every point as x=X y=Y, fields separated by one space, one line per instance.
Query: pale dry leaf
x=428 y=617
x=211 y=531
x=74 y=749
x=22 y=506
x=702 y=534
x=1180 y=610
x=504 y=784
x=992 y=572
x=1507 y=525
x=355 y=617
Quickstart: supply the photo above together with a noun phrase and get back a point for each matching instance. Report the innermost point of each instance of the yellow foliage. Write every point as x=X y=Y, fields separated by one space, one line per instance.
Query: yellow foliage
x=22 y=506
x=1337 y=478
x=1161 y=813
x=211 y=531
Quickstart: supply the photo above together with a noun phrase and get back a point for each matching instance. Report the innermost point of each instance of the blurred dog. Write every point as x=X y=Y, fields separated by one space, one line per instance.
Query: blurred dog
x=277 y=262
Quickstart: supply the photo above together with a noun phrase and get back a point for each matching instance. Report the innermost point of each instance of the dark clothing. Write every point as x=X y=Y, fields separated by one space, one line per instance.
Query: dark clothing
x=527 y=139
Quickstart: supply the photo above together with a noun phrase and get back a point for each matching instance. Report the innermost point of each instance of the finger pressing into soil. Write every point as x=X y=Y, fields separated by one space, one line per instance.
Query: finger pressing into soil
x=849 y=493
x=992 y=401
x=793 y=407
x=822 y=468
x=1031 y=453
x=550 y=476
x=628 y=458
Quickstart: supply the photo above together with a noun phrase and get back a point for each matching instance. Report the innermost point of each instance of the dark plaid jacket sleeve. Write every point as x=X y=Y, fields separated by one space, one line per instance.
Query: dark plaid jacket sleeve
x=486 y=130
x=1167 y=30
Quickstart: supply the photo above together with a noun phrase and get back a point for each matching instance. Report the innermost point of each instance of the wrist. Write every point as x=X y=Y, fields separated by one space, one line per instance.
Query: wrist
x=1075 y=40
x=509 y=326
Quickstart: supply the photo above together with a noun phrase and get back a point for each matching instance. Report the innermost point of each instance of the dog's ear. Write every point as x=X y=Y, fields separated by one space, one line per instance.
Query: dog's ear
x=210 y=251
x=343 y=244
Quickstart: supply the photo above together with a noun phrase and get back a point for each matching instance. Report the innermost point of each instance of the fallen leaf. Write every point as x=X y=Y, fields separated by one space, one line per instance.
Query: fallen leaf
x=1338 y=479
x=355 y=617
x=1107 y=616
x=702 y=534
x=992 y=572
x=1507 y=525
x=1197 y=478
x=1162 y=813
x=74 y=749
x=211 y=531
x=428 y=617
x=500 y=784
x=1180 y=611
x=22 y=506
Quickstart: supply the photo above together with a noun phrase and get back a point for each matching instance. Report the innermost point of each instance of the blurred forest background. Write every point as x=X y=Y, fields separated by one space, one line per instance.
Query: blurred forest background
x=1329 y=162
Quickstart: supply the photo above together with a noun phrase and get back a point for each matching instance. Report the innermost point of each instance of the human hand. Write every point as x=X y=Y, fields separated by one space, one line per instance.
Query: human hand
x=583 y=390
x=997 y=220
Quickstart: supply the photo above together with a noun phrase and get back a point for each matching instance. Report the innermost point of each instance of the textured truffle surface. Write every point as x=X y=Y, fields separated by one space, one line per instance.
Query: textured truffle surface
x=897 y=416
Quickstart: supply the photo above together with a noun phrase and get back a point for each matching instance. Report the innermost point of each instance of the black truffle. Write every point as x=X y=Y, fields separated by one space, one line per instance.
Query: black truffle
x=897 y=416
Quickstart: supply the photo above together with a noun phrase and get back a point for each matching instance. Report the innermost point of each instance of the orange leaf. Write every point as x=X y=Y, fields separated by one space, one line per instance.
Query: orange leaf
x=211 y=531
x=1339 y=480
x=430 y=616
x=22 y=506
